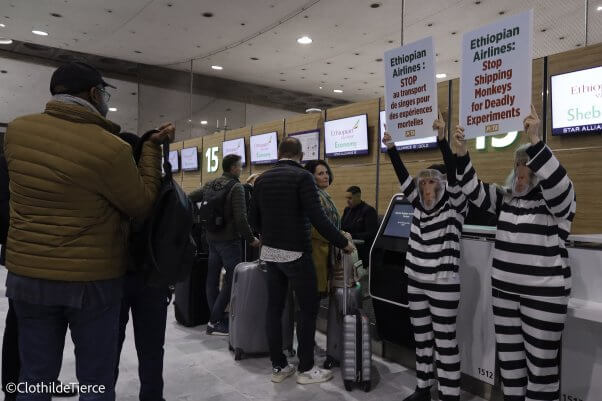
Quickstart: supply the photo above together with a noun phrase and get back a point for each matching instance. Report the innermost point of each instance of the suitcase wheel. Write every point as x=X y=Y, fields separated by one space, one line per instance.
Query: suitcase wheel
x=348 y=385
x=367 y=386
x=330 y=363
x=238 y=354
x=292 y=353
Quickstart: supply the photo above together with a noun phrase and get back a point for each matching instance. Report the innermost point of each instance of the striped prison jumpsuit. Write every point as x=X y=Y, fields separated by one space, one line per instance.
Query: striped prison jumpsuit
x=531 y=277
x=433 y=281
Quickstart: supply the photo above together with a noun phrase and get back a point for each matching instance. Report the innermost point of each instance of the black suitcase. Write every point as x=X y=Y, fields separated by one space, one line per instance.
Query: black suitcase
x=190 y=304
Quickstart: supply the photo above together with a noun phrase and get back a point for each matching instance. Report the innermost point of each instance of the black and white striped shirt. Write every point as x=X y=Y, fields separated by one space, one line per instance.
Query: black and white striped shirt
x=434 y=244
x=530 y=257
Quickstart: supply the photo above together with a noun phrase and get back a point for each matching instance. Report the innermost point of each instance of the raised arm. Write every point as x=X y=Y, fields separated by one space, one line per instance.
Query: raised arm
x=457 y=197
x=484 y=196
x=408 y=187
x=556 y=186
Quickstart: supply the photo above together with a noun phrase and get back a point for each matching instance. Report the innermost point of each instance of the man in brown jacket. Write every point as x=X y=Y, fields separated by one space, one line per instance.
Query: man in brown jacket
x=73 y=187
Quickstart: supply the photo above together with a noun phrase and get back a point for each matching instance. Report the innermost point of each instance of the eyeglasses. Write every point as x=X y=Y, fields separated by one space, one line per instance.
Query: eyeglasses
x=106 y=95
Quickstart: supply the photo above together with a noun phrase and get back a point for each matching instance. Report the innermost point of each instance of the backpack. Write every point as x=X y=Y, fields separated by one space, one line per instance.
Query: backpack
x=212 y=207
x=169 y=245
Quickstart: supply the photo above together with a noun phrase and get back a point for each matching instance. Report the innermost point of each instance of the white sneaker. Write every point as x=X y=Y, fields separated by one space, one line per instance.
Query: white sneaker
x=279 y=375
x=315 y=375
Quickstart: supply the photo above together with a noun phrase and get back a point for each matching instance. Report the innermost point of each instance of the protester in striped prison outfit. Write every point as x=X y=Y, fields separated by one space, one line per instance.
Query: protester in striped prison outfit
x=531 y=274
x=432 y=268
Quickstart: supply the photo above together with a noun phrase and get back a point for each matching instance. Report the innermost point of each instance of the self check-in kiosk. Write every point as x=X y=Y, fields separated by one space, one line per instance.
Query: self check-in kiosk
x=388 y=282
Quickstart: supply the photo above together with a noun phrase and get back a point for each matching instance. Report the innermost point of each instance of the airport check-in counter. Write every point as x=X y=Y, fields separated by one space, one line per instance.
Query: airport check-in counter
x=581 y=359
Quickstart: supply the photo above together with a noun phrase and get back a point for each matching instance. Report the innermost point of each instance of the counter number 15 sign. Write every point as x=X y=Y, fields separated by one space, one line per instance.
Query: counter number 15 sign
x=212 y=159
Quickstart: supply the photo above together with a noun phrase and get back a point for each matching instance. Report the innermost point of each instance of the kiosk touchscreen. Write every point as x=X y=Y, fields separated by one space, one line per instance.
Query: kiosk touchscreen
x=388 y=282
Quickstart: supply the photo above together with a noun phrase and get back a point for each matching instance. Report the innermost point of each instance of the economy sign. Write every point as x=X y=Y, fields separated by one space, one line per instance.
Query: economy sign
x=411 y=91
x=264 y=148
x=495 y=86
x=346 y=136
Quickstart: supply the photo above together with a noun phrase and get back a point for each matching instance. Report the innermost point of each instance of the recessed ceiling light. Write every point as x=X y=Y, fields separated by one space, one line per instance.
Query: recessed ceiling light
x=441 y=76
x=189 y=121
x=320 y=87
x=599 y=8
x=40 y=33
x=337 y=90
x=217 y=67
x=6 y=41
x=112 y=108
x=2 y=26
x=304 y=40
x=204 y=122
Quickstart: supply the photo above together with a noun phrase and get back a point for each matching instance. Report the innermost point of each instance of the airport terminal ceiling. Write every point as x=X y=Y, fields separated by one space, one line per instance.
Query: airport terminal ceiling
x=256 y=41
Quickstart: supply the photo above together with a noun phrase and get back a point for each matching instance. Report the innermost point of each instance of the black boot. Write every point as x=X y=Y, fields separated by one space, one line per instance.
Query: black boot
x=421 y=394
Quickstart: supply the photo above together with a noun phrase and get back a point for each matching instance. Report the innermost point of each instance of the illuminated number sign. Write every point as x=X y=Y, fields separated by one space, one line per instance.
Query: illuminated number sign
x=497 y=143
x=212 y=160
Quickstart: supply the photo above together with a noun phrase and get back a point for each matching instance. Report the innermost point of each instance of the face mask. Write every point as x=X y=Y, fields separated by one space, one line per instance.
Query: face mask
x=440 y=187
x=528 y=188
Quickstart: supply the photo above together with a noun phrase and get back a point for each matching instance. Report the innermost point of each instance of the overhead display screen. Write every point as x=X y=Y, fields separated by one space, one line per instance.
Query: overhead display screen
x=400 y=221
x=264 y=148
x=235 y=147
x=577 y=102
x=310 y=142
x=190 y=159
x=411 y=144
x=346 y=136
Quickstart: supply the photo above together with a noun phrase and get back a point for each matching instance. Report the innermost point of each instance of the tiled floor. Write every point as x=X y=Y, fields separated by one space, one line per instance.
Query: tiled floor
x=200 y=367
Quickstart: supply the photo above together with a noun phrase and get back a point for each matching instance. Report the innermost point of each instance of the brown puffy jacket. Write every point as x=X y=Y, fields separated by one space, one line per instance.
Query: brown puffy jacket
x=73 y=187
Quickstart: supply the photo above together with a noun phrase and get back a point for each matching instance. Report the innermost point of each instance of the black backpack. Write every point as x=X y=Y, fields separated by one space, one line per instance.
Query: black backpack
x=212 y=207
x=169 y=245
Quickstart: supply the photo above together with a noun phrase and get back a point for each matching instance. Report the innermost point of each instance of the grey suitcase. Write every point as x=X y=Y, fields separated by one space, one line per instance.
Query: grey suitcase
x=356 y=359
x=248 y=306
x=335 y=322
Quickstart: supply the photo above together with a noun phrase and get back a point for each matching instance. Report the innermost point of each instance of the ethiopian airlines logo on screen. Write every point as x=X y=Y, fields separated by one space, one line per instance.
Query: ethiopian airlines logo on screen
x=342 y=132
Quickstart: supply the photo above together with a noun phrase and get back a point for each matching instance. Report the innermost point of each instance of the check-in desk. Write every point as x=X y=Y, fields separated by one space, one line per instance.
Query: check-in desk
x=582 y=341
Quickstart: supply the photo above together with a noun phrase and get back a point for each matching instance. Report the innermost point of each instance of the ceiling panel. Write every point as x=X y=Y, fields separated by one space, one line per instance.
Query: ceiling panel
x=349 y=35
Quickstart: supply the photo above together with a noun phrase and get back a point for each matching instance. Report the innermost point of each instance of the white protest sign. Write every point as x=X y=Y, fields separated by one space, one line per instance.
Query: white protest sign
x=495 y=87
x=411 y=90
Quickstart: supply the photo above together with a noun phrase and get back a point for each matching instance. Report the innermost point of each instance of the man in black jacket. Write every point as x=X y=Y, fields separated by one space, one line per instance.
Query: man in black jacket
x=359 y=220
x=285 y=205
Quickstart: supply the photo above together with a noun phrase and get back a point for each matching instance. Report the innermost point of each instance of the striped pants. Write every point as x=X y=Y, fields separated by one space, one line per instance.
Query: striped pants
x=433 y=312
x=528 y=331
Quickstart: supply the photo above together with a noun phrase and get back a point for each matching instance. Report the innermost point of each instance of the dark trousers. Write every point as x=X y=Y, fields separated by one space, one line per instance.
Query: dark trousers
x=10 y=349
x=226 y=254
x=302 y=277
x=42 y=332
x=149 y=316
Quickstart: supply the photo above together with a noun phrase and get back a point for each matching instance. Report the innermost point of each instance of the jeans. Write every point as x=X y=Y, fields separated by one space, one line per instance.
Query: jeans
x=10 y=349
x=302 y=276
x=226 y=254
x=42 y=332
x=149 y=316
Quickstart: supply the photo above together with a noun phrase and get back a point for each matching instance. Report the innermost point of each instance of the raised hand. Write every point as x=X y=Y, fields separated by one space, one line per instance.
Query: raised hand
x=531 y=124
x=459 y=141
x=166 y=131
x=387 y=139
x=439 y=126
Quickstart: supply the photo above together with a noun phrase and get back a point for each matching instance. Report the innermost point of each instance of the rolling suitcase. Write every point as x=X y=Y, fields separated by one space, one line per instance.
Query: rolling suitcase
x=356 y=359
x=248 y=306
x=190 y=304
x=335 y=322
